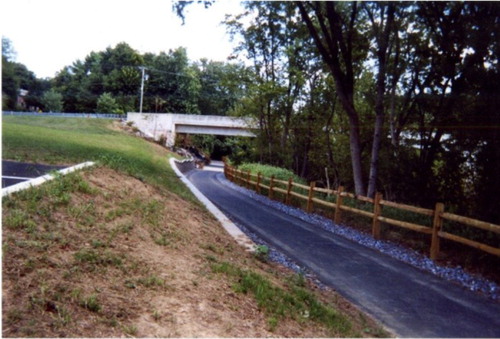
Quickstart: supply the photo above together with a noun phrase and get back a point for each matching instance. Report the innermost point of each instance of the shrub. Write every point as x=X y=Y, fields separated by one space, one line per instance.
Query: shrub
x=268 y=171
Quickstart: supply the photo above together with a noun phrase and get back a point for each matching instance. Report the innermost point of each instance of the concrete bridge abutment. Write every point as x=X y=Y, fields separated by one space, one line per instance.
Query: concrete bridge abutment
x=167 y=125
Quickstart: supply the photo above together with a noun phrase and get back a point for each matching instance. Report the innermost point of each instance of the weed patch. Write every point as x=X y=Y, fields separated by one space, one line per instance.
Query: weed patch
x=296 y=303
x=91 y=303
x=19 y=219
x=152 y=281
x=101 y=258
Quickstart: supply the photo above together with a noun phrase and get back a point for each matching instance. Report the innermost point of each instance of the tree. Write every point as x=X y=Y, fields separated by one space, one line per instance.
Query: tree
x=428 y=68
x=338 y=42
x=107 y=104
x=115 y=70
x=222 y=85
x=382 y=30
x=462 y=75
x=173 y=81
x=52 y=101
x=280 y=51
x=8 y=52
x=16 y=76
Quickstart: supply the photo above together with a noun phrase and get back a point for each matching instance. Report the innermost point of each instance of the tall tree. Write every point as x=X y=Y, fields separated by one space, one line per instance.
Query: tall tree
x=16 y=76
x=222 y=85
x=52 y=101
x=333 y=28
x=381 y=16
x=277 y=44
x=173 y=81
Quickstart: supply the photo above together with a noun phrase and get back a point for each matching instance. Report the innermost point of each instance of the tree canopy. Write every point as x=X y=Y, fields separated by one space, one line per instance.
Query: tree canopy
x=397 y=97
x=406 y=87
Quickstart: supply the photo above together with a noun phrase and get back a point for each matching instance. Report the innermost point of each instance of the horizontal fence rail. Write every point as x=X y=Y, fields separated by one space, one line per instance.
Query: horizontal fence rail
x=334 y=200
x=67 y=115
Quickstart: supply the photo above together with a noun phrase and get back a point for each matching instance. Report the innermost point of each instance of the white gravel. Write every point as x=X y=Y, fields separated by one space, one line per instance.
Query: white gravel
x=453 y=274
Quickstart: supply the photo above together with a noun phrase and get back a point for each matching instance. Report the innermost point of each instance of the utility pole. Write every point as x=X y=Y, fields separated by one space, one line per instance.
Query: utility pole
x=142 y=87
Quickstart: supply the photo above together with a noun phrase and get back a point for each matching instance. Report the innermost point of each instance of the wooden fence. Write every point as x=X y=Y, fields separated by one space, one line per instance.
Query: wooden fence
x=437 y=216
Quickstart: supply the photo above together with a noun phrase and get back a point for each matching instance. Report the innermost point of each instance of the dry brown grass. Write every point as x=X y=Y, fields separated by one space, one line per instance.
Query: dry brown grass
x=105 y=255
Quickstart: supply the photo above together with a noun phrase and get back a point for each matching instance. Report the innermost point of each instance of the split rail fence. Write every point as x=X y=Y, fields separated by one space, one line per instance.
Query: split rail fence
x=373 y=209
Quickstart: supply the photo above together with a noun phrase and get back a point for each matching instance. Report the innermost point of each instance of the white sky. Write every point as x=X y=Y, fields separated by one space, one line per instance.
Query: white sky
x=50 y=34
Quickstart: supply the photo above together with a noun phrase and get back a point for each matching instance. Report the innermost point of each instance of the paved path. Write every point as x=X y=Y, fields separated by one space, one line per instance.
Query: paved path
x=408 y=301
x=14 y=172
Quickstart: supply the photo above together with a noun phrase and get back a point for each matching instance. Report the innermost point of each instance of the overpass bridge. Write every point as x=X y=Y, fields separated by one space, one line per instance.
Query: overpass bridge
x=155 y=125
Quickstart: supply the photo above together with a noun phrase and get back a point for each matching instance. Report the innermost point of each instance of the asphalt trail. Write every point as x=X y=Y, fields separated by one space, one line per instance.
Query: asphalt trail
x=408 y=301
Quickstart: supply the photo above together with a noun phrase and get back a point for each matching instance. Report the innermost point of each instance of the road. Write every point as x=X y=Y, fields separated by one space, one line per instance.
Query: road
x=408 y=301
x=14 y=172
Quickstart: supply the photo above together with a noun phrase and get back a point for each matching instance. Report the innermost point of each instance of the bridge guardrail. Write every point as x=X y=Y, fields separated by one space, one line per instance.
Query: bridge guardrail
x=67 y=115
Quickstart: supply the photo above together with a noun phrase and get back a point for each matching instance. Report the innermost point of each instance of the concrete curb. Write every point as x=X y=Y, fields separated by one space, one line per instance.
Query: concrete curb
x=40 y=180
x=240 y=237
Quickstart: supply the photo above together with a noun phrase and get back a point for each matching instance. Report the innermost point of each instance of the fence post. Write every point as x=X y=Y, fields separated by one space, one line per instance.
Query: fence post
x=239 y=174
x=436 y=228
x=338 y=213
x=310 y=197
x=227 y=170
x=257 y=185
x=288 y=191
x=376 y=213
x=271 y=184
x=248 y=179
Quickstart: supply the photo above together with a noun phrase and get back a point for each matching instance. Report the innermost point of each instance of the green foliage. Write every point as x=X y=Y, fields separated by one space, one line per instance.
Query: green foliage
x=222 y=85
x=8 y=52
x=16 y=76
x=98 y=257
x=296 y=302
x=91 y=303
x=269 y=171
x=151 y=281
x=432 y=152
x=107 y=104
x=52 y=101
x=430 y=71
x=19 y=219
x=261 y=252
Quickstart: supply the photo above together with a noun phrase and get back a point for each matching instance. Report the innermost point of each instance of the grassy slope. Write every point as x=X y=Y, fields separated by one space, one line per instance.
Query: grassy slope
x=104 y=228
x=55 y=140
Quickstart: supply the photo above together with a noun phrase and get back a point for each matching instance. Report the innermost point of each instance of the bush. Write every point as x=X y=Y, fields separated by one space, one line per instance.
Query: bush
x=268 y=171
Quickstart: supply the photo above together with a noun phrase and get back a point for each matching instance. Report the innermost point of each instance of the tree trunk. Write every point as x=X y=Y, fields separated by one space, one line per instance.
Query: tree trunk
x=336 y=50
x=382 y=39
x=377 y=138
x=355 y=148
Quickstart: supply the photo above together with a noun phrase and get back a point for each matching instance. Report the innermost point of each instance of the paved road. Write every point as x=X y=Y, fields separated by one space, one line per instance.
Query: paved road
x=14 y=172
x=410 y=302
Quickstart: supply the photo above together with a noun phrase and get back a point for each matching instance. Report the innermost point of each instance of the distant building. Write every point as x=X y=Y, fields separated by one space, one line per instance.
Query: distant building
x=21 y=101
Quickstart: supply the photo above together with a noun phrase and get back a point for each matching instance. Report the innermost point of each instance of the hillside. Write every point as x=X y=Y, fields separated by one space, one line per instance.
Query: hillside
x=107 y=253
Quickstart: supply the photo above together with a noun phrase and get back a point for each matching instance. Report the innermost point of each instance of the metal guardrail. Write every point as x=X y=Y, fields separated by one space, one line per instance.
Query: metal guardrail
x=67 y=115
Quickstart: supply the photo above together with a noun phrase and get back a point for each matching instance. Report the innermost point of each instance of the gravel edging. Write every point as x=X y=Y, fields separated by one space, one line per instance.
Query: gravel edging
x=453 y=274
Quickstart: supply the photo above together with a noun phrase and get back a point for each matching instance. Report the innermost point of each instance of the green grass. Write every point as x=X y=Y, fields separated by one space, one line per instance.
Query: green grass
x=54 y=140
x=268 y=171
x=296 y=302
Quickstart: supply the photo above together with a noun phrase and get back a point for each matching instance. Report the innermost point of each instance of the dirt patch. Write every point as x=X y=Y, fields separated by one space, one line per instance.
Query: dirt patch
x=101 y=254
